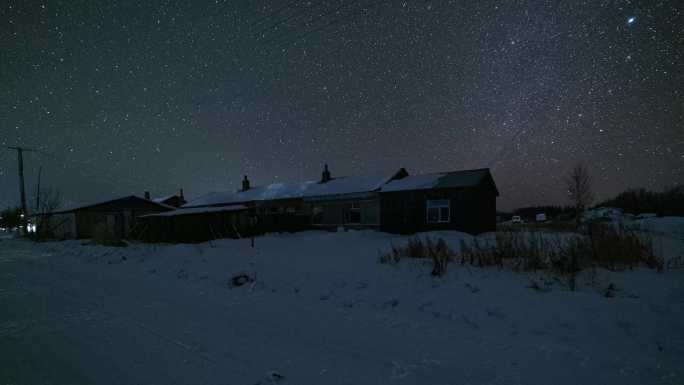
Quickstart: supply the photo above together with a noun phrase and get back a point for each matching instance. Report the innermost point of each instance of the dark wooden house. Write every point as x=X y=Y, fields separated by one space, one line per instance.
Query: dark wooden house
x=118 y=216
x=459 y=200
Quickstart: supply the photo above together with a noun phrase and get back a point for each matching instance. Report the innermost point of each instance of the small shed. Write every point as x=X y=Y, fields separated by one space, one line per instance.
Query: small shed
x=118 y=216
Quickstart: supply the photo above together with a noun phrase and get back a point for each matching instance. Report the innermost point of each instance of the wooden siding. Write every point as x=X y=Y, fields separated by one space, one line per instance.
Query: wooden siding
x=352 y=213
x=195 y=228
x=120 y=216
x=472 y=210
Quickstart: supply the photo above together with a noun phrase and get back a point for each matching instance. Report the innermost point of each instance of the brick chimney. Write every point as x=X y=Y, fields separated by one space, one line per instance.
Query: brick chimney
x=325 y=176
x=147 y=195
x=245 y=184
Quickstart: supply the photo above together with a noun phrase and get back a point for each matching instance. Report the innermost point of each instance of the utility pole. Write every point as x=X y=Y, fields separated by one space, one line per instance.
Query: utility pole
x=40 y=171
x=22 y=191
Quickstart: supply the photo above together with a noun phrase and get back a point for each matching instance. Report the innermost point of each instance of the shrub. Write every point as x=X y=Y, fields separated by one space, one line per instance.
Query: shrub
x=478 y=254
x=440 y=254
x=615 y=247
x=392 y=257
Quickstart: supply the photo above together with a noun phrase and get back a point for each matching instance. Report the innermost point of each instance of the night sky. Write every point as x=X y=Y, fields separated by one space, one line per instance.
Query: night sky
x=126 y=96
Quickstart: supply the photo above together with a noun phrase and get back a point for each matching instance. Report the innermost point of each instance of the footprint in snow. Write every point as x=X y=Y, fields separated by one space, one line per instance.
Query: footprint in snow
x=473 y=288
x=271 y=377
x=390 y=304
x=495 y=312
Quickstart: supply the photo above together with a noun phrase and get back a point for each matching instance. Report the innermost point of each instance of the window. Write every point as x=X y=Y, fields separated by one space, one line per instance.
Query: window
x=354 y=213
x=317 y=218
x=437 y=211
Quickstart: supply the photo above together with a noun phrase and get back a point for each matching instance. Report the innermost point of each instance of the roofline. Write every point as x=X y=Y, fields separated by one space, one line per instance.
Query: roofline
x=71 y=210
x=338 y=196
x=386 y=180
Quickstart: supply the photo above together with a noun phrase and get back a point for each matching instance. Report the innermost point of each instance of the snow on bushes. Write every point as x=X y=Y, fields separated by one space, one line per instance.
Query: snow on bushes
x=564 y=254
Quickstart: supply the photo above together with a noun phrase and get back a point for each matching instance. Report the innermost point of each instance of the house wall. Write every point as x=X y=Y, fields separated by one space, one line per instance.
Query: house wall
x=352 y=213
x=472 y=210
x=195 y=228
x=119 y=217
x=61 y=226
x=282 y=215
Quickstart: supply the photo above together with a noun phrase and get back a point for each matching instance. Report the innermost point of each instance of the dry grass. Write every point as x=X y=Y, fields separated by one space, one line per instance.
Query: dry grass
x=618 y=247
x=564 y=254
x=436 y=250
x=604 y=245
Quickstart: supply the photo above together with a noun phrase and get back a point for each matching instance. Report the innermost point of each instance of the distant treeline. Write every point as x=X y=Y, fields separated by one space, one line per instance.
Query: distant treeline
x=635 y=201
x=638 y=201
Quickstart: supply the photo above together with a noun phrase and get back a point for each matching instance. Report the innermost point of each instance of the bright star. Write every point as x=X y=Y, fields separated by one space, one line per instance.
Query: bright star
x=631 y=20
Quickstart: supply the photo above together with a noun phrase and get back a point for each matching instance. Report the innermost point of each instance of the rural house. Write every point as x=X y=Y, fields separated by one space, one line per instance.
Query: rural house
x=393 y=202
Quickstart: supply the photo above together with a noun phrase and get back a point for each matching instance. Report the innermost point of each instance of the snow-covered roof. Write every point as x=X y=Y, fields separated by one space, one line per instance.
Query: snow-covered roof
x=259 y=193
x=413 y=182
x=197 y=210
x=75 y=207
x=454 y=179
x=162 y=199
x=343 y=186
x=348 y=185
x=335 y=186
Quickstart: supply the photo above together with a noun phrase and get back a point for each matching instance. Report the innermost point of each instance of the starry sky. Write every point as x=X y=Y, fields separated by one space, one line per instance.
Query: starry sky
x=119 y=97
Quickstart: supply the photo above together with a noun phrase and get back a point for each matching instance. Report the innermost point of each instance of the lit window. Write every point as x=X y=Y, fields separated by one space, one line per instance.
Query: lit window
x=437 y=211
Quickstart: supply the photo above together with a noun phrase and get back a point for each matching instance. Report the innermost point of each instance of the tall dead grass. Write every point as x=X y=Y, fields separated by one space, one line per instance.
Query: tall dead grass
x=435 y=250
x=565 y=254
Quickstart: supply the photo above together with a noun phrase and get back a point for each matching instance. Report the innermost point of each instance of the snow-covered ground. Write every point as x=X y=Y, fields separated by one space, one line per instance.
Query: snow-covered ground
x=323 y=310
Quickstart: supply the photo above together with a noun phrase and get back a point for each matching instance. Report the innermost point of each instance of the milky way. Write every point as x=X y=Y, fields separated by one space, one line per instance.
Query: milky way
x=125 y=96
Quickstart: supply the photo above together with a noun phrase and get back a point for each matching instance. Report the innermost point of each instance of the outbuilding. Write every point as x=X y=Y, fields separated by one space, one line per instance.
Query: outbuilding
x=118 y=217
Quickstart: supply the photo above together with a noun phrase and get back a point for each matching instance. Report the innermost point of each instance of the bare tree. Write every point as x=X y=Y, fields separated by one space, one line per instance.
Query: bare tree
x=580 y=193
x=48 y=201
